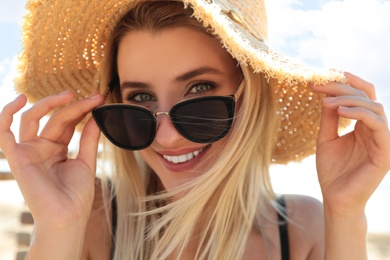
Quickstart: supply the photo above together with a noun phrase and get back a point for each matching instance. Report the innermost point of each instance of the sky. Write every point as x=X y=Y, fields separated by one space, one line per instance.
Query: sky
x=350 y=35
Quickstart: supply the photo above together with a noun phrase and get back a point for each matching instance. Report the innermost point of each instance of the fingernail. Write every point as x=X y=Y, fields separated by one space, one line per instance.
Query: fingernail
x=343 y=108
x=329 y=99
x=64 y=92
x=312 y=85
x=94 y=96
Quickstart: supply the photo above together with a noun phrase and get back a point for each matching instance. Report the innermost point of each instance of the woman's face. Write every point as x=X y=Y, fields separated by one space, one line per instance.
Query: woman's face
x=159 y=69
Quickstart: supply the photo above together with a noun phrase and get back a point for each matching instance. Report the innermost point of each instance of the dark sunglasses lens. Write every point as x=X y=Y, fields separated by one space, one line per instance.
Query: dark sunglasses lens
x=204 y=120
x=127 y=127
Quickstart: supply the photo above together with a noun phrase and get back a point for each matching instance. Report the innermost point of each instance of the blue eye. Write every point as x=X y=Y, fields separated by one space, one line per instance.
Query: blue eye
x=201 y=88
x=141 y=97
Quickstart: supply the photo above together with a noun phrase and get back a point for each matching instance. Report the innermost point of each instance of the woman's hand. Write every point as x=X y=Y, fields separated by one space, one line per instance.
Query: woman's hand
x=350 y=167
x=59 y=191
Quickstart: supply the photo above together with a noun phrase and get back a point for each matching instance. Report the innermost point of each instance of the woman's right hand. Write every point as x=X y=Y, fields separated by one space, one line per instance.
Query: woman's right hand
x=59 y=191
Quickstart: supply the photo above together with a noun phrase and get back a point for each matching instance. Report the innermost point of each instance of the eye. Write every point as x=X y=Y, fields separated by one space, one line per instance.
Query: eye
x=141 y=97
x=201 y=88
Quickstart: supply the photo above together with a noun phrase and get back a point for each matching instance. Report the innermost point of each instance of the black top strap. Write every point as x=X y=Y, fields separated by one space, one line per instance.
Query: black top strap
x=283 y=229
x=114 y=224
x=114 y=220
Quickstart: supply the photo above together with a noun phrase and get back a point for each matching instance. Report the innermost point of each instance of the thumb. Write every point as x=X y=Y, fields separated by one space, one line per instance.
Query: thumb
x=89 y=143
x=329 y=124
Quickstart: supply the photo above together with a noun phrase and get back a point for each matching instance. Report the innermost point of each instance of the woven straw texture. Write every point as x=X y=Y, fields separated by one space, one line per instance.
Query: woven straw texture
x=64 y=43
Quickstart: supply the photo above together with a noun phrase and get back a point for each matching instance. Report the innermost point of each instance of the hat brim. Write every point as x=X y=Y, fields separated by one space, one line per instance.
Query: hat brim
x=64 y=47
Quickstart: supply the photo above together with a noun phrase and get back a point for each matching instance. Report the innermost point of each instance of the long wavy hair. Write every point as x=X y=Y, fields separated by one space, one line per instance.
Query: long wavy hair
x=226 y=202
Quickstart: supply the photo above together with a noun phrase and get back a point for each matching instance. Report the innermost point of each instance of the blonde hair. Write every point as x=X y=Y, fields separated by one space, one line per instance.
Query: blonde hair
x=226 y=200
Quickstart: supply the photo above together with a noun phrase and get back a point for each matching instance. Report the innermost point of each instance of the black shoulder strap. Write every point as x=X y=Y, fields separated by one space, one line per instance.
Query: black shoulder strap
x=114 y=218
x=283 y=229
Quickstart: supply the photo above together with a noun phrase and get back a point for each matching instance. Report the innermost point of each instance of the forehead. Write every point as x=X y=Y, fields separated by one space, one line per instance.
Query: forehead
x=170 y=50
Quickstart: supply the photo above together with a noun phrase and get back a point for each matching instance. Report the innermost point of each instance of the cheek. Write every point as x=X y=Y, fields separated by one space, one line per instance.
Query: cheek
x=146 y=155
x=151 y=159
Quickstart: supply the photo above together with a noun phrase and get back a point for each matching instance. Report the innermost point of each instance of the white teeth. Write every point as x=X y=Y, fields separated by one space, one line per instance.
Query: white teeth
x=190 y=156
x=182 y=158
x=175 y=159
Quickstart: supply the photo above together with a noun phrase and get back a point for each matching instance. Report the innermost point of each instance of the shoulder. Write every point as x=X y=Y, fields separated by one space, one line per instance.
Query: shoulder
x=303 y=206
x=304 y=212
x=306 y=226
x=97 y=243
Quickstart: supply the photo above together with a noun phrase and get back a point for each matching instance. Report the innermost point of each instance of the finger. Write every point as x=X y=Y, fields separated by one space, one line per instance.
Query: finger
x=378 y=125
x=7 y=138
x=348 y=101
x=372 y=120
x=61 y=125
x=335 y=89
x=89 y=143
x=329 y=125
x=361 y=84
x=29 y=123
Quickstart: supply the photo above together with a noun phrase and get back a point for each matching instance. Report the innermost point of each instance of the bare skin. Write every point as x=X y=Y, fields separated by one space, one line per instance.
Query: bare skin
x=350 y=167
x=60 y=191
x=306 y=235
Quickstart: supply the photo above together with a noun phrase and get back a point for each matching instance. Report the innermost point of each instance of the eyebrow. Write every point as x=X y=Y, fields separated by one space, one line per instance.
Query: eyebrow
x=184 y=77
x=133 y=84
x=197 y=72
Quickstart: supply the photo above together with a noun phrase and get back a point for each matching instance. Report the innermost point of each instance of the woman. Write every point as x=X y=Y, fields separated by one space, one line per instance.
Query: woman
x=205 y=107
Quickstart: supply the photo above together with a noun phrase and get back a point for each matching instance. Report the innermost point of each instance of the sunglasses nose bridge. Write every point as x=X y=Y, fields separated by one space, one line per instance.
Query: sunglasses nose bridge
x=156 y=114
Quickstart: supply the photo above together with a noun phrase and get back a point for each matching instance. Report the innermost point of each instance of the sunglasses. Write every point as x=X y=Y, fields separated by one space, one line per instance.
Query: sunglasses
x=201 y=120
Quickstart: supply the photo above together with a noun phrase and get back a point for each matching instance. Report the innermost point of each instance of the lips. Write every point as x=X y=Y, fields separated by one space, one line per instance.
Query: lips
x=177 y=159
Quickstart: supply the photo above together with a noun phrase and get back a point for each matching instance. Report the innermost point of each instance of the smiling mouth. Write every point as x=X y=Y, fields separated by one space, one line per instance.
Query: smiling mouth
x=182 y=158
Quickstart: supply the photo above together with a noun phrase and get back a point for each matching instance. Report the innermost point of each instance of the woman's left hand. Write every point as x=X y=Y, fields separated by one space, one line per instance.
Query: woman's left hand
x=351 y=167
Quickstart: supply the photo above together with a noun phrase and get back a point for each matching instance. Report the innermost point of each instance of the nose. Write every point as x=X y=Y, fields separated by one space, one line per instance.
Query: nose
x=166 y=134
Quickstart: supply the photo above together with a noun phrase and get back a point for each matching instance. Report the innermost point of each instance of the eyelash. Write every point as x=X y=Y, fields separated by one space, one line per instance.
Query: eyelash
x=210 y=86
x=132 y=97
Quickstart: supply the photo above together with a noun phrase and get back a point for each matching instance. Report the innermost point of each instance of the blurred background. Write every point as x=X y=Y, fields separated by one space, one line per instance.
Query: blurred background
x=351 y=35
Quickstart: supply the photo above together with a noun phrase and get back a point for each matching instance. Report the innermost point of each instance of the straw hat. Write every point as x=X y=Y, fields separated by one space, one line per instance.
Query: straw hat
x=64 y=44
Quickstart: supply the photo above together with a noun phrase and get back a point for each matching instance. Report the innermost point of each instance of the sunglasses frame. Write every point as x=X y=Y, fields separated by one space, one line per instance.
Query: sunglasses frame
x=228 y=100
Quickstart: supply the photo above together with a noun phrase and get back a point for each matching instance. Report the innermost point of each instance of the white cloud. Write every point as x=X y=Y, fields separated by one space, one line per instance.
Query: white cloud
x=358 y=32
x=350 y=35
x=11 y=11
x=7 y=75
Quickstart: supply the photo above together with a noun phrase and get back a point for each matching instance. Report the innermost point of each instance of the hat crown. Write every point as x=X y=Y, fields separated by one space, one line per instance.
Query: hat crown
x=64 y=46
x=251 y=12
